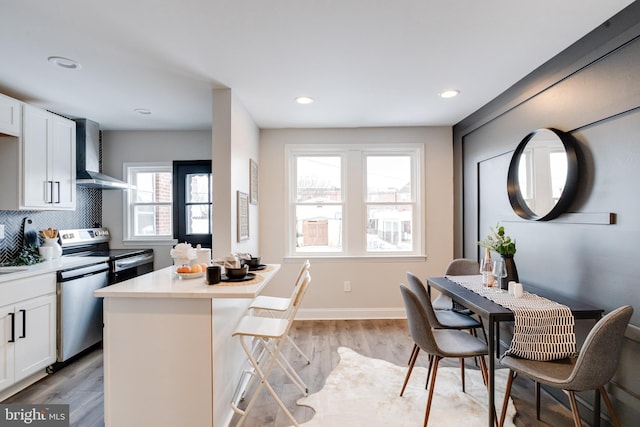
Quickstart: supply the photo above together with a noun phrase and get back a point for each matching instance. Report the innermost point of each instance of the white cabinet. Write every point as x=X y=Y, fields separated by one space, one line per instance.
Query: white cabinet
x=27 y=327
x=49 y=161
x=10 y=113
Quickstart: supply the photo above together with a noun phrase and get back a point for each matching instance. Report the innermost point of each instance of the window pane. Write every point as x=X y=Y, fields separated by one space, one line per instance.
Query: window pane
x=152 y=187
x=198 y=219
x=558 y=166
x=318 y=228
x=152 y=221
x=389 y=179
x=318 y=179
x=197 y=187
x=389 y=228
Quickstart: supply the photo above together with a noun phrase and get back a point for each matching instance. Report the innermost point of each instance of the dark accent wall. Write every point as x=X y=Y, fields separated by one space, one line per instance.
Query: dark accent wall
x=592 y=91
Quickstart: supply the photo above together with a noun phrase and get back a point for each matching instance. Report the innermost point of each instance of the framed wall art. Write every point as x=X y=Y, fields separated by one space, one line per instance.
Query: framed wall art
x=253 y=182
x=243 y=216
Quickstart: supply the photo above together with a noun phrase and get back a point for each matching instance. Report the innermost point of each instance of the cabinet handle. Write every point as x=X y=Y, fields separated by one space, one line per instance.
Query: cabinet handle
x=50 y=184
x=13 y=327
x=58 y=184
x=24 y=324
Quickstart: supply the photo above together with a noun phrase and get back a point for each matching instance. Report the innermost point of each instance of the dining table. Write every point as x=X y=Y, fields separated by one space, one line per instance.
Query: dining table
x=496 y=313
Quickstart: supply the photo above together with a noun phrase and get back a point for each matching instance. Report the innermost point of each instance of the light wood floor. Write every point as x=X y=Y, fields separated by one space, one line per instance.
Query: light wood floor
x=81 y=383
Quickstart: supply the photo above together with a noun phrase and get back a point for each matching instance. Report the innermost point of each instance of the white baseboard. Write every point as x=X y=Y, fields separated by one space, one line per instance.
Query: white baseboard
x=350 y=313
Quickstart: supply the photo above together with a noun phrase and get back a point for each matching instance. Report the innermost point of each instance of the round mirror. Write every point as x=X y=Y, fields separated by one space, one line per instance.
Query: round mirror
x=543 y=175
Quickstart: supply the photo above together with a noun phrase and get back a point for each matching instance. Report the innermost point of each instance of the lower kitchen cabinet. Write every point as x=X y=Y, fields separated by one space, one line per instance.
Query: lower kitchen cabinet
x=27 y=328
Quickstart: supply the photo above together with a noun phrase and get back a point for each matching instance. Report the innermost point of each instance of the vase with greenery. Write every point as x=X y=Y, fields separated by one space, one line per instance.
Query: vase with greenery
x=505 y=246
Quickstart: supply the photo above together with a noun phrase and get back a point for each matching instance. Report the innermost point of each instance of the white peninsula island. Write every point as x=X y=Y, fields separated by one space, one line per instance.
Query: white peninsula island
x=169 y=357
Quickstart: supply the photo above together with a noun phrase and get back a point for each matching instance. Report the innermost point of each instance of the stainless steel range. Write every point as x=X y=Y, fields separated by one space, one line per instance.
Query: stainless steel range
x=79 y=312
x=124 y=264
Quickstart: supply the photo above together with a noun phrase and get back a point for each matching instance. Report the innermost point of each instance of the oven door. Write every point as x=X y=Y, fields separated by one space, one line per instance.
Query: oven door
x=129 y=267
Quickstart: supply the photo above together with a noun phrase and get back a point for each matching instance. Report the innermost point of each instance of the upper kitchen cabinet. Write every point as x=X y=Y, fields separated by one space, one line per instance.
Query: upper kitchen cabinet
x=10 y=112
x=38 y=170
x=49 y=159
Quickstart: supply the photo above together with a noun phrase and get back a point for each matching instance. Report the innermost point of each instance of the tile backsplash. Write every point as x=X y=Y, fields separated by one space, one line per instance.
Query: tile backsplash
x=88 y=213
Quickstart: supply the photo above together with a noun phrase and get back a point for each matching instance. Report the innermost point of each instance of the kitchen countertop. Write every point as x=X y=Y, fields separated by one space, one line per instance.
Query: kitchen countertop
x=165 y=284
x=62 y=263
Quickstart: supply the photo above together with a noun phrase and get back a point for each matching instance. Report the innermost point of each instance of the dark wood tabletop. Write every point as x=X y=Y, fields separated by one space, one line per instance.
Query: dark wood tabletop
x=495 y=313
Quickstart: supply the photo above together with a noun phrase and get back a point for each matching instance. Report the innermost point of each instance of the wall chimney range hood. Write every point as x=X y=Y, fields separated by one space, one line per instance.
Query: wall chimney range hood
x=88 y=159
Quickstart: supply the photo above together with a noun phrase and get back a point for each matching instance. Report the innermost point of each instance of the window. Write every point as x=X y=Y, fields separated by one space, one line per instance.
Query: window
x=148 y=206
x=354 y=200
x=192 y=202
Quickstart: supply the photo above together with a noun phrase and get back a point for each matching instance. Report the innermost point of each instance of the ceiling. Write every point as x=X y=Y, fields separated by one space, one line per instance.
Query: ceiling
x=365 y=62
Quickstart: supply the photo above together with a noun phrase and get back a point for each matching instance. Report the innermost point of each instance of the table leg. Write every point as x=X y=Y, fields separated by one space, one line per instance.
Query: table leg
x=492 y=369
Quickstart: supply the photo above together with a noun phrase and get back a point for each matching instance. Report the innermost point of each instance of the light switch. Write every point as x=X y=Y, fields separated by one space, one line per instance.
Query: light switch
x=1 y=231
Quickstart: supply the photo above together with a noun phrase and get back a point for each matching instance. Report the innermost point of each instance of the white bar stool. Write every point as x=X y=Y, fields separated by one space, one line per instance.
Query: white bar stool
x=266 y=336
x=273 y=305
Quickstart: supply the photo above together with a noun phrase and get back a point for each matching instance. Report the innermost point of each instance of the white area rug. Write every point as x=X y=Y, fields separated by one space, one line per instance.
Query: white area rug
x=366 y=392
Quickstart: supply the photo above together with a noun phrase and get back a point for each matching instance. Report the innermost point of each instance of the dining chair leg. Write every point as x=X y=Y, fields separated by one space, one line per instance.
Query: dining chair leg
x=507 y=393
x=484 y=379
x=484 y=333
x=415 y=349
x=426 y=384
x=612 y=413
x=537 y=393
x=431 y=388
x=414 y=356
x=475 y=334
x=462 y=373
x=574 y=408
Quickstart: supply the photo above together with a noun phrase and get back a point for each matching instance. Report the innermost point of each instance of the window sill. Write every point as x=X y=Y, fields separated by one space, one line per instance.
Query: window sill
x=137 y=242
x=356 y=258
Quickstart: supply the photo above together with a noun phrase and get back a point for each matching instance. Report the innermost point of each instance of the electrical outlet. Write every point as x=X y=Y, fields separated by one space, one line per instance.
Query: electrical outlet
x=1 y=231
x=347 y=286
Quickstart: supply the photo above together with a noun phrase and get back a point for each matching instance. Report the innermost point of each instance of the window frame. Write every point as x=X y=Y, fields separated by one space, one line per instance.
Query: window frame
x=182 y=168
x=354 y=182
x=129 y=206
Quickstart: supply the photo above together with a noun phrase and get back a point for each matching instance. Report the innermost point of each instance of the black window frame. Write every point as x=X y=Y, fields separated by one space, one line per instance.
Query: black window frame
x=182 y=168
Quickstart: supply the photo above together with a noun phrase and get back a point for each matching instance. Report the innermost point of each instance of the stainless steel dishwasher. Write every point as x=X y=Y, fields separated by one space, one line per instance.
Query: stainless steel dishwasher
x=79 y=312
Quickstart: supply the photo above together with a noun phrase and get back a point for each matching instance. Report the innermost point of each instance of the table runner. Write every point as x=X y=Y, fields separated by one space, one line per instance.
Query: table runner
x=543 y=329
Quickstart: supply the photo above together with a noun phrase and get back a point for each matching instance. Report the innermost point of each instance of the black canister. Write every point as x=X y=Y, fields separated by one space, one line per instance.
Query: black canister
x=213 y=274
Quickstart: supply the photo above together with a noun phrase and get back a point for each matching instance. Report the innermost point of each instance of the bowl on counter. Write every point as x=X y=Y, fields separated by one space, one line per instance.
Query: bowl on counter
x=237 y=273
x=252 y=262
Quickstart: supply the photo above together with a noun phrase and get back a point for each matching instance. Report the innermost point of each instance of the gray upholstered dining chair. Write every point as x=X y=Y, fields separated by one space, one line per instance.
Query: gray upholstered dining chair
x=459 y=267
x=438 y=319
x=591 y=370
x=440 y=343
x=456 y=267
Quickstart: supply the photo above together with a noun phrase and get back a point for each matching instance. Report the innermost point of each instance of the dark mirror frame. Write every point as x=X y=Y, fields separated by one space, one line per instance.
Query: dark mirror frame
x=518 y=203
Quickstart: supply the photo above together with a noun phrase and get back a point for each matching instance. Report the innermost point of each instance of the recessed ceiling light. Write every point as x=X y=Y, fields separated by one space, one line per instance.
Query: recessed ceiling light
x=66 y=63
x=304 y=100
x=142 y=111
x=449 y=93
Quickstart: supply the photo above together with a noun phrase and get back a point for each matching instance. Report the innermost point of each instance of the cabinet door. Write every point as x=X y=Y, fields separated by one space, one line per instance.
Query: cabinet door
x=6 y=348
x=35 y=346
x=37 y=186
x=10 y=114
x=62 y=151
